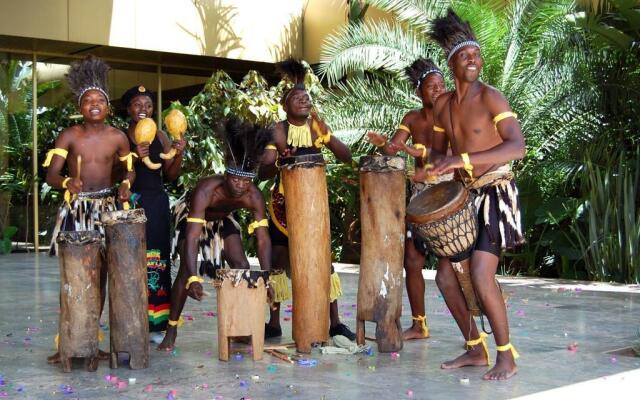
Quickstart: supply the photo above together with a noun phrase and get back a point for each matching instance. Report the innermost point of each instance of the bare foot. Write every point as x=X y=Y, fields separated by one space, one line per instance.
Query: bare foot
x=414 y=332
x=471 y=358
x=505 y=367
x=55 y=359
x=169 y=339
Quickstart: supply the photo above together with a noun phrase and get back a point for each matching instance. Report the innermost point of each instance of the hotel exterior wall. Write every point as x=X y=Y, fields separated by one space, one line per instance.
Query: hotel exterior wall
x=324 y=17
x=250 y=30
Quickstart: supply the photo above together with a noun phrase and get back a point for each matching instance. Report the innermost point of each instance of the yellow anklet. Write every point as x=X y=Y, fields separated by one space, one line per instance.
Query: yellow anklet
x=424 y=329
x=177 y=323
x=481 y=340
x=508 y=347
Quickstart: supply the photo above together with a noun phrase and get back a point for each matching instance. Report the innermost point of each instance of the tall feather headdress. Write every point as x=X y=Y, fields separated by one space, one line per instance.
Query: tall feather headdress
x=90 y=73
x=244 y=145
x=293 y=70
x=452 y=33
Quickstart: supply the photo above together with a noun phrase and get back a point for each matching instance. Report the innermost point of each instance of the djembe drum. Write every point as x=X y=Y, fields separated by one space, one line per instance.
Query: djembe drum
x=242 y=296
x=128 y=298
x=382 y=210
x=307 y=211
x=79 y=326
x=444 y=215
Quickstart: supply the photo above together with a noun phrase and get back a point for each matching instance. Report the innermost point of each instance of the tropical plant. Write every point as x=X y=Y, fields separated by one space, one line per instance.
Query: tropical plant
x=609 y=231
x=16 y=118
x=569 y=87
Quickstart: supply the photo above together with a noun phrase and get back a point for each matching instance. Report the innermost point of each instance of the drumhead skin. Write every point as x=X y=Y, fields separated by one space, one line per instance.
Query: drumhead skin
x=307 y=159
x=437 y=202
x=135 y=216
x=378 y=163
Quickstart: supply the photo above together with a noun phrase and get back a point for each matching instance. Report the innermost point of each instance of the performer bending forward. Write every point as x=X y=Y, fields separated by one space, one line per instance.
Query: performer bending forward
x=485 y=136
x=205 y=225
x=303 y=132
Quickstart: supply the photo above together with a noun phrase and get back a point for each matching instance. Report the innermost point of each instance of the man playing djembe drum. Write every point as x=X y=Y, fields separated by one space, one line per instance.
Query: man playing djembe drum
x=205 y=224
x=485 y=136
x=425 y=75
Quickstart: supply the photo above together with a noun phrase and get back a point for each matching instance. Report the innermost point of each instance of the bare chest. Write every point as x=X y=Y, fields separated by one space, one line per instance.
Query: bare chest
x=95 y=150
x=470 y=127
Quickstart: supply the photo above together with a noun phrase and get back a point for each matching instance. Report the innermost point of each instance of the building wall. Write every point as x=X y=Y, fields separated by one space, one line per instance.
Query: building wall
x=325 y=17
x=250 y=30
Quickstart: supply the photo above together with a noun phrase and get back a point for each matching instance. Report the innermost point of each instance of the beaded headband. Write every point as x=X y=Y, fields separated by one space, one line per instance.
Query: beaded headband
x=461 y=45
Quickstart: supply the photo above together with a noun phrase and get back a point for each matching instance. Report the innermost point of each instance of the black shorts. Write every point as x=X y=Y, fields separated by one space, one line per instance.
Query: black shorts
x=489 y=238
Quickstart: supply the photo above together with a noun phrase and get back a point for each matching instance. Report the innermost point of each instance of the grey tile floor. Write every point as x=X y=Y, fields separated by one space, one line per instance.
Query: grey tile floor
x=545 y=316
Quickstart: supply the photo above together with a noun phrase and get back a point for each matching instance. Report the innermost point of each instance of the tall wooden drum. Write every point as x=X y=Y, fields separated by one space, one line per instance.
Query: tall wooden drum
x=127 y=267
x=307 y=210
x=382 y=213
x=79 y=254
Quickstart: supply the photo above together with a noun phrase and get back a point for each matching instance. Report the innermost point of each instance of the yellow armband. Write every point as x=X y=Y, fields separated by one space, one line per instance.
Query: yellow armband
x=65 y=182
x=322 y=140
x=420 y=146
x=467 y=164
x=197 y=220
x=504 y=115
x=129 y=160
x=271 y=146
x=192 y=279
x=54 y=152
x=257 y=224
x=405 y=128
x=436 y=128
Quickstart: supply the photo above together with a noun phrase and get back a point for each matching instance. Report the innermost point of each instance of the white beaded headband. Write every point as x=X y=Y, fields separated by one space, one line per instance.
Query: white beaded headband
x=85 y=90
x=461 y=45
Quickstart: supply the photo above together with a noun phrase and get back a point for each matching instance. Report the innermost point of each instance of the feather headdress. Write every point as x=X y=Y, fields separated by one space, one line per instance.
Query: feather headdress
x=244 y=145
x=452 y=33
x=293 y=70
x=418 y=71
x=90 y=73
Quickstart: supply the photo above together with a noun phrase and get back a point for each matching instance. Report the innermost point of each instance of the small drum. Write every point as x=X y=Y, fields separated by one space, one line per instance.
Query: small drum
x=79 y=326
x=307 y=211
x=382 y=210
x=128 y=299
x=445 y=216
x=242 y=295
